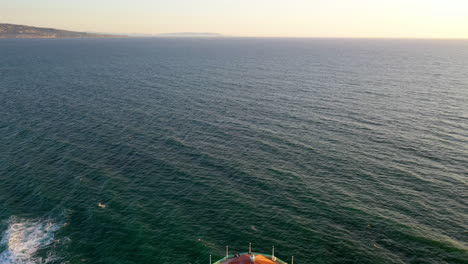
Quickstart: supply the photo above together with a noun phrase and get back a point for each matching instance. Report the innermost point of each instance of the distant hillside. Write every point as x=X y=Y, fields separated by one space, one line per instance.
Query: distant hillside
x=20 y=31
x=189 y=34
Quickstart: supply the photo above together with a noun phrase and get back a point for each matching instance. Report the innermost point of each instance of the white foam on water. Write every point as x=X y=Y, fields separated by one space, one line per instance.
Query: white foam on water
x=24 y=238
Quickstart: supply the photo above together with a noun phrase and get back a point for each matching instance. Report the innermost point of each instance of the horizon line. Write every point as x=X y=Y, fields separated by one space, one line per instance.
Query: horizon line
x=221 y=35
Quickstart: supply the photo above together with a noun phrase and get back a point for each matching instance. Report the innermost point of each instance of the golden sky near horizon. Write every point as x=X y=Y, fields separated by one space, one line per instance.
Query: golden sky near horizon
x=264 y=18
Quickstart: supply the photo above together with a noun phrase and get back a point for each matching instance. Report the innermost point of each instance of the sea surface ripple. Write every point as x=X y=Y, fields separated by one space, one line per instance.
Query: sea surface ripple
x=334 y=151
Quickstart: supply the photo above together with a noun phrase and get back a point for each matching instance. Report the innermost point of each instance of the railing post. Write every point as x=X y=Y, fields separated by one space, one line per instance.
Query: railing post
x=250 y=247
x=292 y=260
x=227 y=251
x=273 y=251
x=210 y=259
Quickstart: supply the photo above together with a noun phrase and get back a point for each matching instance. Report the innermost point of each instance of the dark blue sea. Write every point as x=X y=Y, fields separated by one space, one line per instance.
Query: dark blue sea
x=164 y=151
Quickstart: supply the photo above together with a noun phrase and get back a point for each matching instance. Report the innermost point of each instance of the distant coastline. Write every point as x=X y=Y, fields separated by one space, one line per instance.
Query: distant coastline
x=22 y=31
x=190 y=34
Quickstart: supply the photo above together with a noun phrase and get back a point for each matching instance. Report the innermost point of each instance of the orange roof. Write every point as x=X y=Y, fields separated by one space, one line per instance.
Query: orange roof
x=244 y=259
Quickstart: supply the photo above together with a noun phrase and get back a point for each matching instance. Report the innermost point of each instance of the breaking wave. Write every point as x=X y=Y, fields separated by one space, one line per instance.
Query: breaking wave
x=23 y=239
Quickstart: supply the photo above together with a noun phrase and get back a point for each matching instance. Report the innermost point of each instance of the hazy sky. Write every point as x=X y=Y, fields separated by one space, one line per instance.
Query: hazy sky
x=282 y=18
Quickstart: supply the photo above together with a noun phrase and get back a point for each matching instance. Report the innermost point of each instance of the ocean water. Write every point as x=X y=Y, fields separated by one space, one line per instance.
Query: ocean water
x=334 y=151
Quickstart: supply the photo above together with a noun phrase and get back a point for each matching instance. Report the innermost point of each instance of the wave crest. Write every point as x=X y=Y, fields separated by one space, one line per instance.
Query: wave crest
x=23 y=238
